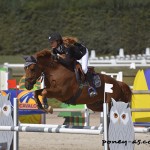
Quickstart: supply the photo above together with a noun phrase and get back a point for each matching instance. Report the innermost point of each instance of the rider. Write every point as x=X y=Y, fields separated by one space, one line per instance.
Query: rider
x=59 y=47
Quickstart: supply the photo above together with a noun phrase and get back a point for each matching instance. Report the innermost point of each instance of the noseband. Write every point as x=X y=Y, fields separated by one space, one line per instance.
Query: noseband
x=31 y=81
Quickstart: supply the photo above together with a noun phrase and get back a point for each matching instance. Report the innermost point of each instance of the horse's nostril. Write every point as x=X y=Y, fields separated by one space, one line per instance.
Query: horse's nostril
x=29 y=87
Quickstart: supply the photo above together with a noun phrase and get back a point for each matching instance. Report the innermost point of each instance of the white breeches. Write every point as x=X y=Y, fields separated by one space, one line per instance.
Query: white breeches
x=84 y=61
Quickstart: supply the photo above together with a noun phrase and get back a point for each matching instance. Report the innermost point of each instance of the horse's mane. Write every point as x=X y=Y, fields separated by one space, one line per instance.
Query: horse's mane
x=68 y=41
x=43 y=53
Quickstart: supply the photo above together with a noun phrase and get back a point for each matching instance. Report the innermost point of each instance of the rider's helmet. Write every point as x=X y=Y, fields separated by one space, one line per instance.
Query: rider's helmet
x=56 y=37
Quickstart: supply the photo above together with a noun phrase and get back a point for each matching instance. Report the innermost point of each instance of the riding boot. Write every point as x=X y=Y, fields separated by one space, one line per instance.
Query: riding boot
x=91 y=90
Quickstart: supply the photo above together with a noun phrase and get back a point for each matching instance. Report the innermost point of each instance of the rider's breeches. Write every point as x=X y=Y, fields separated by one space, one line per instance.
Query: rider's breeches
x=84 y=61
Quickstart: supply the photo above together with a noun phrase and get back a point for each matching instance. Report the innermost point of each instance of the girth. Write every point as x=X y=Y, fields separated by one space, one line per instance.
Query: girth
x=73 y=99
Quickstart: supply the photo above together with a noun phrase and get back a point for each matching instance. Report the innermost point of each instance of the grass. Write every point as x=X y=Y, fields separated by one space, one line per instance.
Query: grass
x=16 y=59
x=54 y=103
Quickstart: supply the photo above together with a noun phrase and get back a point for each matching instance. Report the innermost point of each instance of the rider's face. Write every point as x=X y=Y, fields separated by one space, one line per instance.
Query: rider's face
x=53 y=44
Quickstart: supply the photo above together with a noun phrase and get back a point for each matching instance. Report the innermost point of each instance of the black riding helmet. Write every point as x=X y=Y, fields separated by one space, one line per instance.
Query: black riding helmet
x=56 y=37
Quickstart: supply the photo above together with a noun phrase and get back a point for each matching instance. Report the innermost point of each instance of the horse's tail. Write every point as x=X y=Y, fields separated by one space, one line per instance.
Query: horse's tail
x=126 y=90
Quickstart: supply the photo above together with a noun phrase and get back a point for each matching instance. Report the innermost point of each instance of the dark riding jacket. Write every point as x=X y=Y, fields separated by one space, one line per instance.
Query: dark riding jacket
x=73 y=52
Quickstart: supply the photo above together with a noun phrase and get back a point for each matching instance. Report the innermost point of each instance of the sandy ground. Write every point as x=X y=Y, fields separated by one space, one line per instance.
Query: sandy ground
x=58 y=141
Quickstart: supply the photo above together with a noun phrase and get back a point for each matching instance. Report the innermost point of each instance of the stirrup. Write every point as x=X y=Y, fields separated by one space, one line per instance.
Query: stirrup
x=92 y=92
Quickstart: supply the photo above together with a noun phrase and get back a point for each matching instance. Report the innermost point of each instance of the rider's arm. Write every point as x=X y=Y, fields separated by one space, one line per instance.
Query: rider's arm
x=54 y=51
x=65 y=61
x=81 y=48
x=68 y=57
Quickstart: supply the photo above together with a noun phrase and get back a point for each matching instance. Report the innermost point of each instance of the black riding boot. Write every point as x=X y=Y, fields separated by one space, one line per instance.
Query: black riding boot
x=91 y=90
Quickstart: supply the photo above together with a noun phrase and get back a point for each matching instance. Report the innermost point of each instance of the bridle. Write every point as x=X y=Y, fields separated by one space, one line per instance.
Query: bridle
x=31 y=81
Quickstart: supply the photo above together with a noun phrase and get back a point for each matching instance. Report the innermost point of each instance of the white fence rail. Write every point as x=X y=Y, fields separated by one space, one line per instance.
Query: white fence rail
x=119 y=60
x=102 y=63
x=132 y=61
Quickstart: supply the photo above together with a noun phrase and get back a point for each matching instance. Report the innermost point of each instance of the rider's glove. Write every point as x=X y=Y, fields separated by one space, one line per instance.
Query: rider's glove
x=55 y=57
x=77 y=44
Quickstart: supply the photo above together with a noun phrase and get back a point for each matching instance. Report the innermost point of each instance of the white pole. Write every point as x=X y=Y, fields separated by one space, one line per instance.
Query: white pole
x=43 y=118
x=43 y=81
x=41 y=125
x=105 y=113
x=50 y=130
x=141 y=129
x=87 y=116
x=15 y=118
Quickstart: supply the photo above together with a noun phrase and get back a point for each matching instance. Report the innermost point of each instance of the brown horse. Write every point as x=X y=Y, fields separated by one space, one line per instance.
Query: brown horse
x=61 y=83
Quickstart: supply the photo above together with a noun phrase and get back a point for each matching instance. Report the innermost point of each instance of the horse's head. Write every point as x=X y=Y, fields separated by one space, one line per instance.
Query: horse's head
x=32 y=72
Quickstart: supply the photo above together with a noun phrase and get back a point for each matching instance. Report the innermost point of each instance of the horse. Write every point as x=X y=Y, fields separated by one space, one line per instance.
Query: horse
x=61 y=83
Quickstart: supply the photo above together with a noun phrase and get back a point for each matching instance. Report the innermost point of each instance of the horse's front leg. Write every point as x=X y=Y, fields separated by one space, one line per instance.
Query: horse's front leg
x=36 y=97
x=45 y=105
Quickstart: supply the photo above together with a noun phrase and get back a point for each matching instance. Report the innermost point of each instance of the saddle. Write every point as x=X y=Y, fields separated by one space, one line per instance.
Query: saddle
x=82 y=79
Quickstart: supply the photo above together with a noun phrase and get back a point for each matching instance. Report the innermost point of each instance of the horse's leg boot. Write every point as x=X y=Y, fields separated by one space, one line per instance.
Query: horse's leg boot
x=39 y=105
x=45 y=104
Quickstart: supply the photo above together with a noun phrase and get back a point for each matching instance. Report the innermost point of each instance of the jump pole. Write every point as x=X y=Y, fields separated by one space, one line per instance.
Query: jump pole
x=44 y=128
x=105 y=112
x=15 y=119
x=87 y=116
x=60 y=126
x=56 y=129
x=107 y=89
x=50 y=130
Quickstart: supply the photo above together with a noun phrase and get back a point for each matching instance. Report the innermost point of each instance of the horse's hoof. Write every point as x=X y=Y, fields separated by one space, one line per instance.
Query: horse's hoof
x=45 y=106
x=50 y=109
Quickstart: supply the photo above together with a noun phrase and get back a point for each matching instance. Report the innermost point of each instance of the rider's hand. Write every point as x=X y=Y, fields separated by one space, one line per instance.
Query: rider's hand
x=77 y=44
x=54 y=56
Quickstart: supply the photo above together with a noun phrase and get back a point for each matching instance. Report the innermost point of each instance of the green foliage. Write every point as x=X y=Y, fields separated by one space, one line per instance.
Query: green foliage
x=103 y=25
x=11 y=59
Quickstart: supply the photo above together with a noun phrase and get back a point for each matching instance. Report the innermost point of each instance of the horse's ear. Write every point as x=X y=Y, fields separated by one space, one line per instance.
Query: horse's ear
x=33 y=59
x=30 y=59
x=112 y=102
x=25 y=57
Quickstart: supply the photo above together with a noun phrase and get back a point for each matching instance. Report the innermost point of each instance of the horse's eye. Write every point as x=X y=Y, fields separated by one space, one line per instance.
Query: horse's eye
x=33 y=70
x=25 y=68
